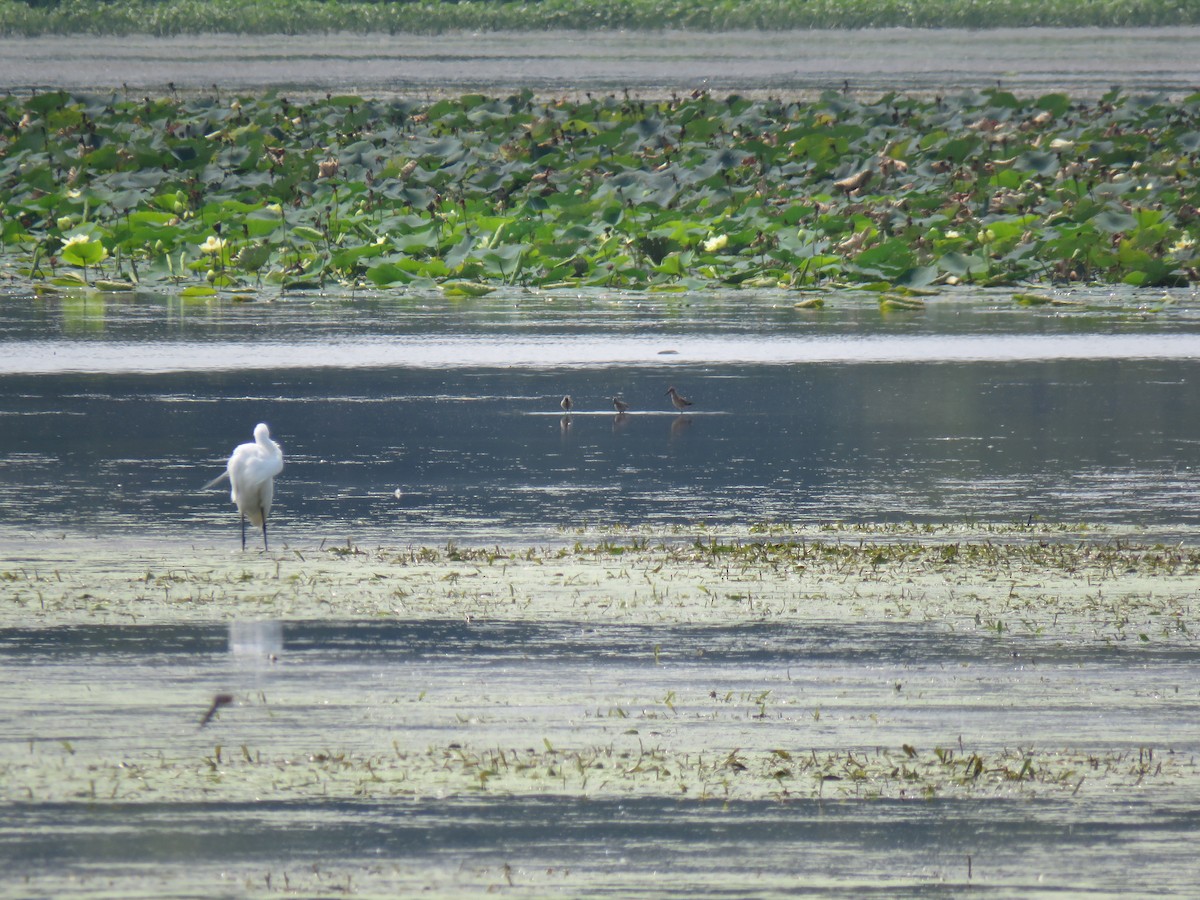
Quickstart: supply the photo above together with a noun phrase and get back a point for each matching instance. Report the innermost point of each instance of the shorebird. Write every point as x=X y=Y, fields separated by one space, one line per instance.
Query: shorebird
x=680 y=403
x=566 y=403
x=251 y=471
x=620 y=406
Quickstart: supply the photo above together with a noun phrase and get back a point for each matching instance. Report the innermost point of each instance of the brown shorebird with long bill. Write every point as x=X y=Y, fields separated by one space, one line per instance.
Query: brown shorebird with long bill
x=680 y=403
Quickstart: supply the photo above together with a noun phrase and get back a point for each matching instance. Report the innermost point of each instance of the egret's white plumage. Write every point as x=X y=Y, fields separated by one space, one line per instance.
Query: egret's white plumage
x=251 y=472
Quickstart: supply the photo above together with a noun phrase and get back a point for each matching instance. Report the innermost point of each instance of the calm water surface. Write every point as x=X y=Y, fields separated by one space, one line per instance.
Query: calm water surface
x=413 y=419
x=1080 y=61
x=369 y=690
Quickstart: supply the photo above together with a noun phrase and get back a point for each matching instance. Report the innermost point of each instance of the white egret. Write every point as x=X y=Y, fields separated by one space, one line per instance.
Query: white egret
x=680 y=403
x=251 y=472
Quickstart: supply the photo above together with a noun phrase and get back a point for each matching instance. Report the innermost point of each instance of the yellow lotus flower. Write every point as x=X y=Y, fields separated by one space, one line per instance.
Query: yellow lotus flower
x=713 y=244
x=82 y=250
x=213 y=245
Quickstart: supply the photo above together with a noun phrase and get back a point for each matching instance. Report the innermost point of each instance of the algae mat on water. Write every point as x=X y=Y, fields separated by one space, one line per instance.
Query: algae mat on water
x=249 y=195
x=1068 y=584
x=457 y=719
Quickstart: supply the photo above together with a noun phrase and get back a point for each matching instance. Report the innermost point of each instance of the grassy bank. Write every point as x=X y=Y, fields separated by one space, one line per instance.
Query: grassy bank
x=307 y=16
x=219 y=194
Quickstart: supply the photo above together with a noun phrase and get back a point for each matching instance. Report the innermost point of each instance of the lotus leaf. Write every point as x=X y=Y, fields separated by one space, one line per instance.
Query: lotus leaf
x=608 y=190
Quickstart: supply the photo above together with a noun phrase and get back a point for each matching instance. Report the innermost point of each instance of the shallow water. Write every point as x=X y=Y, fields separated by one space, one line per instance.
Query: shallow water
x=620 y=724
x=1080 y=61
x=347 y=761
x=419 y=419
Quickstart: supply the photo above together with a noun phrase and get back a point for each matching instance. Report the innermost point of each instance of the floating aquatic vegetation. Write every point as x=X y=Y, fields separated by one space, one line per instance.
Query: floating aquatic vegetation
x=1039 y=583
x=212 y=194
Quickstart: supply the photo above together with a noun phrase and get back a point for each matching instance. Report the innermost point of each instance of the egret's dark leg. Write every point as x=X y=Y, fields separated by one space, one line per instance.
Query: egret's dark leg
x=243 y=534
x=265 y=547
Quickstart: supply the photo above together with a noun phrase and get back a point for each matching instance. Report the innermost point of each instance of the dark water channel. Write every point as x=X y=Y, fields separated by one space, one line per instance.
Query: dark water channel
x=115 y=413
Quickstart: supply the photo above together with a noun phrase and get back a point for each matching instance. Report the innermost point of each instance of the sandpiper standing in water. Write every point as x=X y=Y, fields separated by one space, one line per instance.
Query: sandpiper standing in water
x=680 y=403
x=566 y=404
x=620 y=406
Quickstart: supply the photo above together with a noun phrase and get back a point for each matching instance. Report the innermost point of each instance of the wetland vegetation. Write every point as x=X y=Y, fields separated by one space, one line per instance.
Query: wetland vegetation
x=1058 y=594
x=714 y=678
x=30 y=17
x=913 y=709
x=219 y=193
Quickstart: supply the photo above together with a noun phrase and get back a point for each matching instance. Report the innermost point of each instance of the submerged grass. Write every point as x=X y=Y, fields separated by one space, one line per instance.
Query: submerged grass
x=216 y=195
x=172 y=17
x=623 y=768
x=1012 y=591
x=1003 y=580
x=1035 y=619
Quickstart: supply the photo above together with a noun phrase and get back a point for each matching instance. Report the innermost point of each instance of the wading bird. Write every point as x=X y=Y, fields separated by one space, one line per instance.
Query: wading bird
x=620 y=406
x=680 y=403
x=566 y=404
x=251 y=472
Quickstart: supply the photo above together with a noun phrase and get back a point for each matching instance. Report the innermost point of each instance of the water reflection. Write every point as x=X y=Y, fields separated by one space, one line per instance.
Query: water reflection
x=418 y=421
x=567 y=352
x=384 y=693
x=255 y=641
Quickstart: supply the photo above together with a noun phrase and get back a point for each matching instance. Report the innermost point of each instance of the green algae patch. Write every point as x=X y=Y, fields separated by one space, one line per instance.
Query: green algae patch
x=626 y=767
x=994 y=674
x=1023 y=581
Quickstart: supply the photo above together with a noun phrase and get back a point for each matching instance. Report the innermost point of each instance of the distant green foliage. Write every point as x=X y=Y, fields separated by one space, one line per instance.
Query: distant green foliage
x=216 y=193
x=169 y=17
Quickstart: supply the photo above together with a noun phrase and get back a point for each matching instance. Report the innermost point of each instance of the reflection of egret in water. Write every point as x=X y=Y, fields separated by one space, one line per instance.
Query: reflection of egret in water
x=256 y=644
x=260 y=641
x=253 y=645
